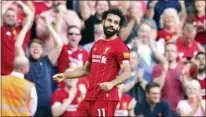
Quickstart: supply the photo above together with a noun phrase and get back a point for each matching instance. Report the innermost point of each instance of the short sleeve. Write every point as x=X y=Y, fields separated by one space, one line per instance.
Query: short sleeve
x=56 y=98
x=90 y=53
x=122 y=54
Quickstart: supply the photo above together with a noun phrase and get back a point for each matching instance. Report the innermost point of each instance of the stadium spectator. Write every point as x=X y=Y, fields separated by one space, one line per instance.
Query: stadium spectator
x=90 y=20
x=72 y=52
x=135 y=85
x=19 y=96
x=194 y=105
x=133 y=20
x=98 y=34
x=198 y=18
x=187 y=46
x=146 y=46
x=201 y=76
x=168 y=76
x=171 y=25
x=153 y=105
x=40 y=67
x=69 y=18
x=156 y=8
x=126 y=105
x=9 y=31
x=65 y=100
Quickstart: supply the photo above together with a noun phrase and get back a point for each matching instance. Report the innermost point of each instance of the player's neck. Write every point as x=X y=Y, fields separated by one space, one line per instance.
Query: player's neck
x=110 y=38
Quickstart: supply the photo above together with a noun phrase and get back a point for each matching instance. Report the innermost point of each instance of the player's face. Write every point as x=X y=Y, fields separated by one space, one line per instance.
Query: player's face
x=101 y=6
x=10 y=18
x=154 y=95
x=201 y=59
x=200 y=5
x=36 y=51
x=74 y=36
x=111 y=25
x=145 y=32
x=171 y=52
x=188 y=37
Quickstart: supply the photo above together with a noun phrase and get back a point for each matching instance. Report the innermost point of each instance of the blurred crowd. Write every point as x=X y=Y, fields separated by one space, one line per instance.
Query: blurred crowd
x=167 y=40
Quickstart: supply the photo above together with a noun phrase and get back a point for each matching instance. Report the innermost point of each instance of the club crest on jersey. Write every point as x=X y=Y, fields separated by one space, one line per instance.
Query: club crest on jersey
x=106 y=50
x=126 y=55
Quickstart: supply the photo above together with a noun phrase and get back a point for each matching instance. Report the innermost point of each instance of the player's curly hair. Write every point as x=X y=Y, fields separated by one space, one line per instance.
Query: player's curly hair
x=114 y=11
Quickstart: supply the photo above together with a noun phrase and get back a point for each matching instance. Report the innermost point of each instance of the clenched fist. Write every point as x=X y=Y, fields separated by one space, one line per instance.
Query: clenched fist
x=59 y=77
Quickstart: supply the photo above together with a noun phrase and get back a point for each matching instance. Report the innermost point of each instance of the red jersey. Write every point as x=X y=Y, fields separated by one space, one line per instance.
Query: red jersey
x=80 y=55
x=201 y=37
x=8 y=37
x=123 y=105
x=187 y=51
x=40 y=7
x=165 y=35
x=202 y=82
x=105 y=58
x=199 y=19
x=61 y=96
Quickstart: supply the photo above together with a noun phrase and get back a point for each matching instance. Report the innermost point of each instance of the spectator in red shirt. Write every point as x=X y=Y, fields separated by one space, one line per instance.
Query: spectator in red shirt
x=72 y=52
x=58 y=11
x=198 y=18
x=9 y=31
x=201 y=76
x=187 y=46
x=171 y=25
x=126 y=105
x=168 y=76
x=65 y=100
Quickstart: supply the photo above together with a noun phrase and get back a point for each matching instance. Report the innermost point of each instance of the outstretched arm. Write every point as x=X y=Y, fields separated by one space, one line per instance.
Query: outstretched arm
x=77 y=73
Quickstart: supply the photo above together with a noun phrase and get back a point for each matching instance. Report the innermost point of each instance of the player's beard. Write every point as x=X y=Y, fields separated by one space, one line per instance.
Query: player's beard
x=108 y=33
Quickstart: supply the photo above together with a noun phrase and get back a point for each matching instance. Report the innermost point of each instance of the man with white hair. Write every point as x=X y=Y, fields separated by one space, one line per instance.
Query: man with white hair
x=19 y=97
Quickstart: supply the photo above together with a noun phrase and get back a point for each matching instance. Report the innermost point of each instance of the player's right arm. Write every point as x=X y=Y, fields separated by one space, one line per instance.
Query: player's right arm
x=77 y=73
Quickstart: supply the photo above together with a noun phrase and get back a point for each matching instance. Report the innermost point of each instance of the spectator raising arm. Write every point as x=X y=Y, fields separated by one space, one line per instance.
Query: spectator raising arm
x=150 y=11
x=54 y=54
x=85 y=10
x=27 y=25
x=5 y=6
x=28 y=12
x=161 y=79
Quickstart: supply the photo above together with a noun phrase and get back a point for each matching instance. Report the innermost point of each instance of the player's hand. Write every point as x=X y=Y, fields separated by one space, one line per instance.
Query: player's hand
x=106 y=86
x=59 y=77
